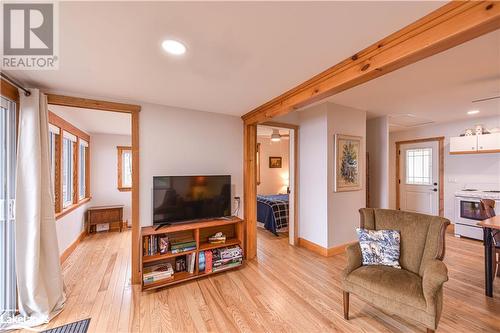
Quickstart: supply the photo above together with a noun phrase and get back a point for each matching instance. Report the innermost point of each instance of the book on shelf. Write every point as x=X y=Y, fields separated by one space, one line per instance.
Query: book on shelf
x=218 y=238
x=222 y=258
x=191 y=258
x=157 y=272
x=185 y=249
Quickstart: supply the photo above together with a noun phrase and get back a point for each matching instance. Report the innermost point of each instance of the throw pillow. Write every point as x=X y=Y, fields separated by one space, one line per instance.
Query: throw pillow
x=379 y=247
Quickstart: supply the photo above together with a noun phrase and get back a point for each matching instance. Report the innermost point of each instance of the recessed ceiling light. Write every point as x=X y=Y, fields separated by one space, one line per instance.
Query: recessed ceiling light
x=173 y=47
x=473 y=112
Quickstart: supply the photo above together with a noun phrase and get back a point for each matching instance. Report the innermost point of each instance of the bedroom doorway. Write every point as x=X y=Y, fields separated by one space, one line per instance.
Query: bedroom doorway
x=275 y=175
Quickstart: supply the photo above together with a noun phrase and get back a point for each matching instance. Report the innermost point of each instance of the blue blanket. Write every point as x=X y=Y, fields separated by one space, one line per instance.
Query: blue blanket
x=272 y=210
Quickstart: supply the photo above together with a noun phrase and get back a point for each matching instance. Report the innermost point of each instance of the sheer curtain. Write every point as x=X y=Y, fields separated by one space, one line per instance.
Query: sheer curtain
x=39 y=279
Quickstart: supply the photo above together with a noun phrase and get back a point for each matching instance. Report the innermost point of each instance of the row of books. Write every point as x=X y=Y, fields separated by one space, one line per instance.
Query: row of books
x=219 y=259
x=161 y=244
x=157 y=272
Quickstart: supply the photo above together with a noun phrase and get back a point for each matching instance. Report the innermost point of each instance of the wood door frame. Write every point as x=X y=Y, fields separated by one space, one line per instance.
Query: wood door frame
x=133 y=110
x=440 y=141
x=295 y=128
x=452 y=24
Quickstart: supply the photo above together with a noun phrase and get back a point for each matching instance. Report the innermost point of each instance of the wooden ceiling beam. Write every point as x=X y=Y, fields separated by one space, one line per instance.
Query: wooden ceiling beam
x=91 y=104
x=446 y=27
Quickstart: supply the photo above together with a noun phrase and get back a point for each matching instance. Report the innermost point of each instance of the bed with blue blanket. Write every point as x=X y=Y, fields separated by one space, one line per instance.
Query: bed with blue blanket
x=272 y=212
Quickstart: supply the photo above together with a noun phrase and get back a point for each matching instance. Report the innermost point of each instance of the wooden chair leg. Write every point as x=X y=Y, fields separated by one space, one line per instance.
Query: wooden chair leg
x=346 y=305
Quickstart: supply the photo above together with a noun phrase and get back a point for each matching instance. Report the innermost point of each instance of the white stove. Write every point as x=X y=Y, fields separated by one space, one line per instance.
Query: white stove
x=468 y=210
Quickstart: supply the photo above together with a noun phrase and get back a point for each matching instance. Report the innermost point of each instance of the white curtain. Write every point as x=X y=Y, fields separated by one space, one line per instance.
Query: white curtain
x=39 y=279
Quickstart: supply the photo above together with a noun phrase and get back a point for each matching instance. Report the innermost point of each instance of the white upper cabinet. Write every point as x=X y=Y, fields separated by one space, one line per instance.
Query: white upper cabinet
x=488 y=142
x=461 y=144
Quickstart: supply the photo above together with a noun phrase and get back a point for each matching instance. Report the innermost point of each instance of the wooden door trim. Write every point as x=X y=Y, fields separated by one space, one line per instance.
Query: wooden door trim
x=133 y=110
x=450 y=25
x=440 y=141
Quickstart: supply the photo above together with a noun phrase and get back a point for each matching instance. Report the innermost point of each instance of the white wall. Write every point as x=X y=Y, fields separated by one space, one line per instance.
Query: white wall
x=104 y=172
x=377 y=146
x=69 y=227
x=175 y=141
x=273 y=180
x=343 y=215
x=313 y=175
x=459 y=170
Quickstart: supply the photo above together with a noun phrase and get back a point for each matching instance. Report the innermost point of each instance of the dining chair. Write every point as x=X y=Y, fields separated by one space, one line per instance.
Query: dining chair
x=488 y=207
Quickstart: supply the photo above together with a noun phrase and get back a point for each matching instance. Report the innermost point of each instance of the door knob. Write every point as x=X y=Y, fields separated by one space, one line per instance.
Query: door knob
x=435 y=189
x=435 y=184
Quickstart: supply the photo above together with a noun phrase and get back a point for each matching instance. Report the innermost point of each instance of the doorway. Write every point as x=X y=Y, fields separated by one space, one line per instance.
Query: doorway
x=419 y=176
x=276 y=179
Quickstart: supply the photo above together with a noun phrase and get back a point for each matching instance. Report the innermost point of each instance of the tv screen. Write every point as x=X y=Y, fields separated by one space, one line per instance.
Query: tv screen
x=185 y=198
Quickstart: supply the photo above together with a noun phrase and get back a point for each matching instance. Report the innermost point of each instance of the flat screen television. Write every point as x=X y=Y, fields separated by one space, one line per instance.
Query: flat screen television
x=178 y=199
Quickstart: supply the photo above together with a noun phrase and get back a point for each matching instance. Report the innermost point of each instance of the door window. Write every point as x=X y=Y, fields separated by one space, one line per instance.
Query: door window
x=419 y=166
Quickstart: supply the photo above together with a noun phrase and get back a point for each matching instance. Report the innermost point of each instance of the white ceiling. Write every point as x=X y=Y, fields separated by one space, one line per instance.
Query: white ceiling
x=93 y=121
x=240 y=54
x=439 y=89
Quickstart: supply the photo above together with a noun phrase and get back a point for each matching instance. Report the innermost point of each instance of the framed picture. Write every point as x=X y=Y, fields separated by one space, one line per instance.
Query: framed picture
x=274 y=162
x=348 y=163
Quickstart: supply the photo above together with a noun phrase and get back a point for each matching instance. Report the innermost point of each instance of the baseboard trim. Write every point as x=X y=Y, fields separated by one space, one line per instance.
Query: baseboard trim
x=313 y=247
x=72 y=247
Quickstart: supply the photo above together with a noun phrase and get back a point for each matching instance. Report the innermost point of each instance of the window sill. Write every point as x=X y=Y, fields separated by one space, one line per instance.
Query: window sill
x=124 y=189
x=71 y=208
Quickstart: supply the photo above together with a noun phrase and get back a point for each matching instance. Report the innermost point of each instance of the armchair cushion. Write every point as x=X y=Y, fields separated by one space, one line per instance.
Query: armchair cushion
x=398 y=284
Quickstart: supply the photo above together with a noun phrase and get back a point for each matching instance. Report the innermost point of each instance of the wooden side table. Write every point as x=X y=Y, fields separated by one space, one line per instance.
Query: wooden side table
x=489 y=226
x=104 y=214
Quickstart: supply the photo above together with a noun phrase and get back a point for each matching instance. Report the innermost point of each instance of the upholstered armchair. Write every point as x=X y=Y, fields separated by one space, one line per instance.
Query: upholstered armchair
x=416 y=290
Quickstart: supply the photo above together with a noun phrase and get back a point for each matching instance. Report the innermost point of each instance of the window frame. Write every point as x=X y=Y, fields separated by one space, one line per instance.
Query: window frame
x=76 y=200
x=120 y=151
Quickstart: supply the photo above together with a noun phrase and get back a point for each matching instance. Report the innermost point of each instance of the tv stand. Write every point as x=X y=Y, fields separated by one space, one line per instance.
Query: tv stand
x=159 y=226
x=232 y=227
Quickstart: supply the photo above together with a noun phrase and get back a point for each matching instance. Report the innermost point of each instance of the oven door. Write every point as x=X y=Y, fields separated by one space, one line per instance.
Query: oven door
x=471 y=209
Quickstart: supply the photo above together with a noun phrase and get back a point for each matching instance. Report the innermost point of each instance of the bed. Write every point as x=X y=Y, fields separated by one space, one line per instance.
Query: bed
x=272 y=212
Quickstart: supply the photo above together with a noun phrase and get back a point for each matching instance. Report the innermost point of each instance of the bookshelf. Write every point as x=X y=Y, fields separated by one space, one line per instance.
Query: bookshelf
x=199 y=231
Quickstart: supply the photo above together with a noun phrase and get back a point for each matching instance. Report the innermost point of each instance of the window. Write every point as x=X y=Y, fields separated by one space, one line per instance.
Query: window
x=419 y=166
x=7 y=208
x=124 y=168
x=67 y=169
x=69 y=160
x=82 y=169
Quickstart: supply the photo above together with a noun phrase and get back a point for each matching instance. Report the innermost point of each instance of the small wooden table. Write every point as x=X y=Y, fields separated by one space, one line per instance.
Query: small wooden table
x=489 y=225
x=104 y=214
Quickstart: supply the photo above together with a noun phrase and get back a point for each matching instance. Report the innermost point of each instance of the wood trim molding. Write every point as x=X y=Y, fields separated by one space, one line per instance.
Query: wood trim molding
x=86 y=103
x=120 y=150
x=448 y=26
x=134 y=110
x=250 y=190
x=440 y=140
x=69 y=250
x=68 y=127
x=492 y=151
x=323 y=251
x=71 y=208
x=7 y=90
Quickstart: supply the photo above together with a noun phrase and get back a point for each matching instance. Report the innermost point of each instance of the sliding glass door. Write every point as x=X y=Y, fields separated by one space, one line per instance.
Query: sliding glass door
x=7 y=209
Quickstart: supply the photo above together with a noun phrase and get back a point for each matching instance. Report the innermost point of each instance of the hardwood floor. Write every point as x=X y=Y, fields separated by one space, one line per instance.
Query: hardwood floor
x=286 y=289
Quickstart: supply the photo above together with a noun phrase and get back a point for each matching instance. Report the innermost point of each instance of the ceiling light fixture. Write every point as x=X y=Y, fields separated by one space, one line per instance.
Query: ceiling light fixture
x=471 y=112
x=173 y=47
x=275 y=137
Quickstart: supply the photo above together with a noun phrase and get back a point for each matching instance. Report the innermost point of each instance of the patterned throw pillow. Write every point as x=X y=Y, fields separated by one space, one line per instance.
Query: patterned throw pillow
x=379 y=247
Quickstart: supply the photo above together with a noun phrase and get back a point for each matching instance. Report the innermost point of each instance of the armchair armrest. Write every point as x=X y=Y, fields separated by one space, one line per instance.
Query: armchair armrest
x=354 y=258
x=434 y=276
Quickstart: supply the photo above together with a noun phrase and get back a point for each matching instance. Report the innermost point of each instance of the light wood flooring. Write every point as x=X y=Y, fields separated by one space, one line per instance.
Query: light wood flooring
x=286 y=289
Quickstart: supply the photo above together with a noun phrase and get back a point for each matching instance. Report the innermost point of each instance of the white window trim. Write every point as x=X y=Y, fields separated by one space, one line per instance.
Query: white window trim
x=54 y=129
x=69 y=136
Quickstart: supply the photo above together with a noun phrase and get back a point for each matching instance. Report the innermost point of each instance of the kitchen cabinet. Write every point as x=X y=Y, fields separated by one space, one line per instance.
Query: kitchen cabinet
x=488 y=142
x=475 y=144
